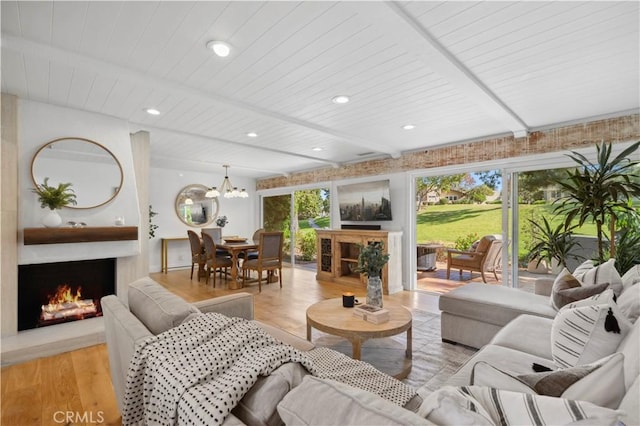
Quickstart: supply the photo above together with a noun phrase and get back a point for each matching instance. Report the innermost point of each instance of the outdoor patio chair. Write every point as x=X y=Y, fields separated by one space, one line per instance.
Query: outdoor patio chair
x=482 y=259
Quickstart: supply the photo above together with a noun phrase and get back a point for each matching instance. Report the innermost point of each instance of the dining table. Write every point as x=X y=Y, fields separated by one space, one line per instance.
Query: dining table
x=235 y=248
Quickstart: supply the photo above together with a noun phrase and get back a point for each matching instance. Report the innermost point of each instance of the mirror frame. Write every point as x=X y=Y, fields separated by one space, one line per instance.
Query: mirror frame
x=214 y=203
x=115 y=194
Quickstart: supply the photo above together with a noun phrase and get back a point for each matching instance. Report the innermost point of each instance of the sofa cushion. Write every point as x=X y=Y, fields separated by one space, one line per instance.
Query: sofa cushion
x=156 y=307
x=584 y=383
x=258 y=406
x=629 y=302
x=473 y=404
x=630 y=348
x=606 y=272
x=327 y=402
x=505 y=359
x=538 y=332
x=587 y=333
x=631 y=277
x=567 y=289
x=494 y=304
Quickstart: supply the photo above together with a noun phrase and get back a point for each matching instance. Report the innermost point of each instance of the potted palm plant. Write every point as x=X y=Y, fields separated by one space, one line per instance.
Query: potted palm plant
x=551 y=245
x=601 y=192
x=54 y=198
x=371 y=261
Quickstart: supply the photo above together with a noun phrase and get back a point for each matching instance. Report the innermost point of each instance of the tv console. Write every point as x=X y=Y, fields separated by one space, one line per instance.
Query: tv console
x=338 y=257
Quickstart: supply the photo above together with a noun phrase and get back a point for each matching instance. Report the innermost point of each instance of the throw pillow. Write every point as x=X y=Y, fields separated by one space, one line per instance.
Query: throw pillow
x=629 y=303
x=566 y=289
x=584 y=383
x=471 y=405
x=587 y=333
x=589 y=274
x=606 y=296
x=631 y=277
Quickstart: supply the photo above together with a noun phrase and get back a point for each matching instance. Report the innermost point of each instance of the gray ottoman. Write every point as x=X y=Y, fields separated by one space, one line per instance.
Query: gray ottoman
x=473 y=314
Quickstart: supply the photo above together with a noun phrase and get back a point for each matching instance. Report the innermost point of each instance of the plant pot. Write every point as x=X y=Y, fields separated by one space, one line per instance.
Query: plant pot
x=52 y=219
x=535 y=268
x=374 y=291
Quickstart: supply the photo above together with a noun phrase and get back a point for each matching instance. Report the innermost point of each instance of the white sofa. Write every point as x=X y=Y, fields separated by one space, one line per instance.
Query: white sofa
x=291 y=395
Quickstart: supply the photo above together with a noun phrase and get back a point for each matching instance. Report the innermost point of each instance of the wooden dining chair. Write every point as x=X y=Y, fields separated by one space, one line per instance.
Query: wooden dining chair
x=269 y=257
x=213 y=260
x=197 y=251
x=216 y=234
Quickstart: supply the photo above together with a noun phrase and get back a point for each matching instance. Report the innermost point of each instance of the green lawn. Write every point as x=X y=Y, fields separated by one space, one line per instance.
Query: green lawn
x=446 y=223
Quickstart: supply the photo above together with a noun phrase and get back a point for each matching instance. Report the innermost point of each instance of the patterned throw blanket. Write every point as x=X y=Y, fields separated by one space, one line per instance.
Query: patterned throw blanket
x=197 y=372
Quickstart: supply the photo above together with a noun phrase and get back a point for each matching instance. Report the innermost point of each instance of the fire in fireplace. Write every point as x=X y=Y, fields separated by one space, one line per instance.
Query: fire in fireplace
x=65 y=304
x=53 y=293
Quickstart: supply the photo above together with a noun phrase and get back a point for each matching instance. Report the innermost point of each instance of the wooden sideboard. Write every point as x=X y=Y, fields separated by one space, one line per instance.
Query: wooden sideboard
x=338 y=256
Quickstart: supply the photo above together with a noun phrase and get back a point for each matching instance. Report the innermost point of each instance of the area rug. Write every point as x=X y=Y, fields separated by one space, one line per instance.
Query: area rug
x=433 y=361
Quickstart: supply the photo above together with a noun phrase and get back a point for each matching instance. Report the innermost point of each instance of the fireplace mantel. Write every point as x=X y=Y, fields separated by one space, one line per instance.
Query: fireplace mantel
x=79 y=235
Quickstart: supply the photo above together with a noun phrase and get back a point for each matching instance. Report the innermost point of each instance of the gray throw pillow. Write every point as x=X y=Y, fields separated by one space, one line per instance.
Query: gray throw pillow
x=567 y=289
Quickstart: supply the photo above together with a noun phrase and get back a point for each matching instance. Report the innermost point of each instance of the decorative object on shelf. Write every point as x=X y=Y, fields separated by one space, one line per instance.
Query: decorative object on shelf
x=371 y=260
x=222 y=221
x=119 y=220
x=74 y=224
x=152 y=226
x=227 y=189
x=54 y=198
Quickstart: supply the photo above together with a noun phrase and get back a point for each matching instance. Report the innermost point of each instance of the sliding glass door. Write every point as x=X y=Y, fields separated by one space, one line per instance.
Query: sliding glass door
x=298 y=214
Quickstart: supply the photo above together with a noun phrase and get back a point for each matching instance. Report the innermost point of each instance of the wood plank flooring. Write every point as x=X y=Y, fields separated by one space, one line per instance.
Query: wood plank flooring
x=74 y=388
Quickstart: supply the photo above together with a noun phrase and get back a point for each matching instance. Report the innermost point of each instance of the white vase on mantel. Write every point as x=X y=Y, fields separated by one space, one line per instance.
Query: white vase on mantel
x=52 y=219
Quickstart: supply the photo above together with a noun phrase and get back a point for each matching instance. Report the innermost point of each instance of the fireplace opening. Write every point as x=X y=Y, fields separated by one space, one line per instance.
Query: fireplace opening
x=54 y=293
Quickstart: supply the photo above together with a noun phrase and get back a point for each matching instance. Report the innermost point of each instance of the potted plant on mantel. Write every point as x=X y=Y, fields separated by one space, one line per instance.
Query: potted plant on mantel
x=371 y=260
x=54 y=198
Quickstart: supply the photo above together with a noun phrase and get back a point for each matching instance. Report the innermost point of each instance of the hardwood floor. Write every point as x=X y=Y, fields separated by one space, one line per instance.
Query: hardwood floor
x=74 y=388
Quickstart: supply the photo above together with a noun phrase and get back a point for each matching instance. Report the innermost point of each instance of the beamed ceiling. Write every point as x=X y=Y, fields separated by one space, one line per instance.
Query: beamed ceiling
x=457 y=71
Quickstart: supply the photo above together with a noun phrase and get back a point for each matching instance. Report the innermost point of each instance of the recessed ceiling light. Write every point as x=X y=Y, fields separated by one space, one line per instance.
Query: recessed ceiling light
x=340 y=99
x=152 y=111
x=408 y=127
x=317 y=148
x=220 y=48
x=252 y=134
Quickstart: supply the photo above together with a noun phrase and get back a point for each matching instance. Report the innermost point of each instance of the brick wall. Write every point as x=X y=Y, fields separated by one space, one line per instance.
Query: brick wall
x=619 y=129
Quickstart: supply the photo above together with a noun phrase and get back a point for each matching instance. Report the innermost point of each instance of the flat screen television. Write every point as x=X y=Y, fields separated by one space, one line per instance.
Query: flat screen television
x=365 y=201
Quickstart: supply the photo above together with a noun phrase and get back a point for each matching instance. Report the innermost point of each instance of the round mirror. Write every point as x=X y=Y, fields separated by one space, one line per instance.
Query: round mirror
x=93 y=171
x=193 y=208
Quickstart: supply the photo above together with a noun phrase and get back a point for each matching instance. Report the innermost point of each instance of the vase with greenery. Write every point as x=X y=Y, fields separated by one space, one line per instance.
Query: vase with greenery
x=371 y=261
x=601 y=192
x=152 y=226
x=222 y=221
x=54 y=198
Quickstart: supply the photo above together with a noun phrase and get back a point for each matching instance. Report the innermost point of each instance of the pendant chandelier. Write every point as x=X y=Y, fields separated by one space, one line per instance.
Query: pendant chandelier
x=227 y=189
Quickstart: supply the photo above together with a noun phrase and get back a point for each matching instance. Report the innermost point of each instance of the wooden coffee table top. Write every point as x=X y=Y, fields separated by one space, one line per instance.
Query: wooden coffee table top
x=331 y=317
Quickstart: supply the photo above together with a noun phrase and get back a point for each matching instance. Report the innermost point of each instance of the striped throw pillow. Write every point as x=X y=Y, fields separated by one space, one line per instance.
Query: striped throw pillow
x=484 y=405
x=589 y=275
x=587 y=333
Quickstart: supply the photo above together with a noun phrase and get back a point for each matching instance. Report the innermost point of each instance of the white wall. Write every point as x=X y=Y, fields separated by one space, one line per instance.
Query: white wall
x=166 y=184
x=40 y=123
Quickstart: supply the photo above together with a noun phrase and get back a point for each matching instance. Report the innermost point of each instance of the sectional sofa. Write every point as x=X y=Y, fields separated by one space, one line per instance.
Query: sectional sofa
x=292 y=396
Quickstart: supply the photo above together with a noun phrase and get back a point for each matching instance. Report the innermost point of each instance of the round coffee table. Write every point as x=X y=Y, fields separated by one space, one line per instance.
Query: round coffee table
x=332 y=318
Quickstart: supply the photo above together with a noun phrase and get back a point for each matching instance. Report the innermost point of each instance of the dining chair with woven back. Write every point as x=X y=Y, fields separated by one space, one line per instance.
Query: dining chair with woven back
x=197 y=252
x=213 y=260
x=269 y=257
x=216 y=234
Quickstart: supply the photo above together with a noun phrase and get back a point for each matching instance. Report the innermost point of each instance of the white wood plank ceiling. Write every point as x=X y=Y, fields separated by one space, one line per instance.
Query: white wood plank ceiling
x=455 y=70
